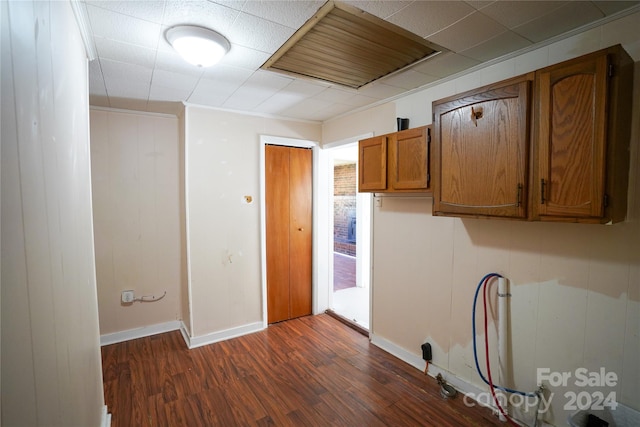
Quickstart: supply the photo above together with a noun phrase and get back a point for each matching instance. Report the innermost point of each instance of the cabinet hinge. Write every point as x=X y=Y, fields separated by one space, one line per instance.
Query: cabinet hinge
x=610 y=71
x=428 y=179
x=605 y=202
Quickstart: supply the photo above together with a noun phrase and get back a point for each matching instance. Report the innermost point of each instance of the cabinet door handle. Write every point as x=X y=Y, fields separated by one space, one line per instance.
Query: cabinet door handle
x=542 y=187
x=519 y=196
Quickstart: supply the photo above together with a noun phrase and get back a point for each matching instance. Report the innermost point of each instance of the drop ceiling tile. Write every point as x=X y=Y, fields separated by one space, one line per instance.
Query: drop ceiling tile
x=425 y=18
x=297 y=91
x=231 y=4
x=279 y=102
x=201 y=13
x=292 y=14
x=240 y=56
x=173 y=80
x=379 y=90
x=359 y=100
x=258 y=88
x=171 y=61
x=446 y=64
x=305 y=88
x=115 y=26
x=149 y=10
x=335 y=95
x=329 y=112
x=126 y=80
x=499 y=45
x=571 y=15
x=227 y=75
x=381 y=9
x=468 y=32
x=125 y=52
x=160 y=93
x=211 y=93
x=308 y=106
x=514 y=13
x=136 y=74
x=409 y=79
x=611 y=7
x=122 y=89
x=480 y=4
x=259 y=34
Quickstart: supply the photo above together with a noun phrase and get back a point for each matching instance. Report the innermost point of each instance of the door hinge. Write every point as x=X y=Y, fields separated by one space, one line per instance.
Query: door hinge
x=610 y=71
x=605 y=202
x=433 y=117
x=519 y=196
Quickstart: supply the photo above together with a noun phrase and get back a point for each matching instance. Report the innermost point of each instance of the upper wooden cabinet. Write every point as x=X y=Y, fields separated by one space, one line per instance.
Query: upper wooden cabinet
x=581 y=157
x=396 y=162
x=576 y=167
x=372 y=164
x=481 y=151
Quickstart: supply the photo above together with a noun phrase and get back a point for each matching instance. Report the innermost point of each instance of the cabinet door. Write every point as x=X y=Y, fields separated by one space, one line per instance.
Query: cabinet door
x=571 y=139
x=372 y=164
x=481 y=152
x=409 y=159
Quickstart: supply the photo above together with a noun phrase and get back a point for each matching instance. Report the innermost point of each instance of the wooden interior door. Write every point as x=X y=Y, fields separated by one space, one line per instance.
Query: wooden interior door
x=288 y=193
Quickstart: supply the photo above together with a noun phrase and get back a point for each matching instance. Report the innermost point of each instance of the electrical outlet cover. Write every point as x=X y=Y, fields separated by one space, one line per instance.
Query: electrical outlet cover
x=127 y=296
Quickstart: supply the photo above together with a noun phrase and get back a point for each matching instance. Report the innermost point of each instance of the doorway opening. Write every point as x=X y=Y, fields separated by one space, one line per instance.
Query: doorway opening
x=350 y=238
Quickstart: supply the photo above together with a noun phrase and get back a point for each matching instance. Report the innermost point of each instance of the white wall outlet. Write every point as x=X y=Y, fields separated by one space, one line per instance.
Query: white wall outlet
x=127 y=296
x=378 y=202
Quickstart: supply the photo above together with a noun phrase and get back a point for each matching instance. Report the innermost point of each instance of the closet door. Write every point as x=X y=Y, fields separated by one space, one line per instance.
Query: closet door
x=288 y=191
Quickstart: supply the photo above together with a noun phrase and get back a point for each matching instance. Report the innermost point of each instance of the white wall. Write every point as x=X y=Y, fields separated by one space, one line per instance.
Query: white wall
x=51 y=366
x=138 y=219
x=576 y=288
x=223 y=231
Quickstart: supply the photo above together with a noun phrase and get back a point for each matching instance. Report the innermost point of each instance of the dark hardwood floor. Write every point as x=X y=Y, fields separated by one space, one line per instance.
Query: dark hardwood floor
x=311 y=371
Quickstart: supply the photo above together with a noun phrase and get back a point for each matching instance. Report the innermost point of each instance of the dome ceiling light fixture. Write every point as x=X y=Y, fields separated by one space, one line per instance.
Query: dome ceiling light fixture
x=198 y=45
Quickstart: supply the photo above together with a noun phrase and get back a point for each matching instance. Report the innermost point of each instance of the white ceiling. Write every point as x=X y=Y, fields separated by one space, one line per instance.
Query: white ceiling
x=137 y=69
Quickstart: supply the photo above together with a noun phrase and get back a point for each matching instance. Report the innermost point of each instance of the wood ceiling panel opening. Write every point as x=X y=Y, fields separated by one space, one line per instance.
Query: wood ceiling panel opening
x=347 y=46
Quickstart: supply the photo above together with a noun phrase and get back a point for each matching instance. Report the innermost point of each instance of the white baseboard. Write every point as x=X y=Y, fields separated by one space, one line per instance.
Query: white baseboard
x=142 y=332
x=464 y=387
x=417 y=362
x=199 y=341
x=106 y=417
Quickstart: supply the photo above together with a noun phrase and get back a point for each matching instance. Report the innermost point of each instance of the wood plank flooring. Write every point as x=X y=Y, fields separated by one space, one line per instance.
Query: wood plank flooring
x=310 y=371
